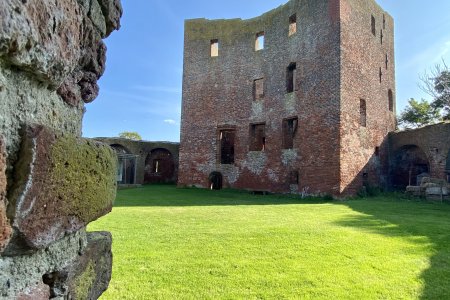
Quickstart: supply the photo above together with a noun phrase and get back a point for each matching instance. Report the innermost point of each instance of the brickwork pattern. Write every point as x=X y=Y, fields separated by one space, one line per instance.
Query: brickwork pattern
x=219 y=92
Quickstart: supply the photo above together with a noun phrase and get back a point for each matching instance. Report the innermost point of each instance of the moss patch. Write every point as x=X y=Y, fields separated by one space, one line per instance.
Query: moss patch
x=84 y=282
x=84 y=173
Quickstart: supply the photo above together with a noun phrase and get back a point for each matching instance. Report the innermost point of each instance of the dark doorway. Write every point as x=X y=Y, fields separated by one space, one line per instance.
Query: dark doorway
x=159 y=167
x=215 y=181
x=409 y=162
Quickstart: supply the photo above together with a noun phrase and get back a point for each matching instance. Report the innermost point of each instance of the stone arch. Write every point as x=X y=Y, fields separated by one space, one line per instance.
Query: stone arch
x=409 y=162
x=215 y=180
x=159 y=166
x=126 y=167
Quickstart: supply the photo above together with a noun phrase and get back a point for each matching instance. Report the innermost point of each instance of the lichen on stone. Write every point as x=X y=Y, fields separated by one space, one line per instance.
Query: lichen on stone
x=85 y=173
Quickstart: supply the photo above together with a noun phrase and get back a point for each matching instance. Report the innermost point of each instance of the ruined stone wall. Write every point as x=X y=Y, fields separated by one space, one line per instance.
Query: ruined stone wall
x=143 y=151
x=218 y=93
x=363 y=55
x=52 y=181
x=433 y=140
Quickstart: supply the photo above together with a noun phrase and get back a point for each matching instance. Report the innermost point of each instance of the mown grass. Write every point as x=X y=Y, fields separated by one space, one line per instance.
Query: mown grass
x=197 y=244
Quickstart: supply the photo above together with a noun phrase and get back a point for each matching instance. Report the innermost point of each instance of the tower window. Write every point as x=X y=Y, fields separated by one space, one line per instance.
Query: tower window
x=292 y=24
x=362 y=113
x=258 y=89
x=374 y=32
x=289 y=130
x=227 y=139
x=214 y=48
x=386 y=61
x=291 y=77
x=380 y=74
x=257 y=137
x=381 y=36
x=391 y=100
x=259 y=42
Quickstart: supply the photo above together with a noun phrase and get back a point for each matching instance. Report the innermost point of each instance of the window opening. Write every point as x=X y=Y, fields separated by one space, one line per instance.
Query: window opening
x=362 y=113
x=227 y=139
x=259 y=42
x=258 y=89
x=381 y=36
x=289 y=130
x=386 y=61
x=214 y=48
x=257 y=137
x=291 y=77
x=391 y=100
x=156 y=166
x=292 y=24
x=381 y=75
x=373 y=26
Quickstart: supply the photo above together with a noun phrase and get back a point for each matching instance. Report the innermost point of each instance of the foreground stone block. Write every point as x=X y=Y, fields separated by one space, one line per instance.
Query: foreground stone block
x=91 y=273
x=39 y=292
x=41 y=37
x=62 y=183
x=5 y=228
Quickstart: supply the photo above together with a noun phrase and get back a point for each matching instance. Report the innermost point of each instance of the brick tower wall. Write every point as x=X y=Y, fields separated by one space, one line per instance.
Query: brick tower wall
x=363 y=54
x=218 y=92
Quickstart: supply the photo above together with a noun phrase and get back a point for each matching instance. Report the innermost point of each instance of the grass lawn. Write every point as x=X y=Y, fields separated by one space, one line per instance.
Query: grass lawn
x=198 y=244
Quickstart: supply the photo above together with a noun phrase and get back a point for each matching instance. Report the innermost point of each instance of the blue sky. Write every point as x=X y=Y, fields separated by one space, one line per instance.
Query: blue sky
x=141 y=89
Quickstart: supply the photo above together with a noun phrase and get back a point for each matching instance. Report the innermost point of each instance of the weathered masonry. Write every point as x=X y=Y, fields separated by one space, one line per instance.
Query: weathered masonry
x=301 y=98
x=53 y=182
x=143 y=162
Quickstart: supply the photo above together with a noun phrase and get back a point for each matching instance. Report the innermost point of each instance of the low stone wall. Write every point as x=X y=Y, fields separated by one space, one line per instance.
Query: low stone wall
x=146 y=153
x=52 y=181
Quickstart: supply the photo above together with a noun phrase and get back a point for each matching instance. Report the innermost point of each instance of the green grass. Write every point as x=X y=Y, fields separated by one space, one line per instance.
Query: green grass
x=197 y=244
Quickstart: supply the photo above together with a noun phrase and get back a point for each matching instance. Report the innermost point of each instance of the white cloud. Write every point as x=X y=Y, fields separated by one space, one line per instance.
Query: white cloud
x=170 y=121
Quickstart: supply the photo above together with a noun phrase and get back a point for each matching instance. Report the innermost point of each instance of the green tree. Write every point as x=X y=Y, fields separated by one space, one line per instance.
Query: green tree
x=436 y=83
x=131 y=135
x=417 y=114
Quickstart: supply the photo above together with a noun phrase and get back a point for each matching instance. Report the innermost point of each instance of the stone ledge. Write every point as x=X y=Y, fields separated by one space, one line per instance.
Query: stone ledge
x=62 y=183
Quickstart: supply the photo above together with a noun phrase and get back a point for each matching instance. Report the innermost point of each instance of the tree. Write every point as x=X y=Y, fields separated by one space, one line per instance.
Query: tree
x=417 y=114
x=131 y=135
x=436 y=83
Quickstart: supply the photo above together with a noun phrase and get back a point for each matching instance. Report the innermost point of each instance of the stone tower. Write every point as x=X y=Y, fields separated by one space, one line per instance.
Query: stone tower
x=300 y=99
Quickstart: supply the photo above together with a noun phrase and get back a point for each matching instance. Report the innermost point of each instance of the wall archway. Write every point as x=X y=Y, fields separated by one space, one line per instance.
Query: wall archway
x=126 y=168
x=409 y=161
x=215 y=180
x=159 y=166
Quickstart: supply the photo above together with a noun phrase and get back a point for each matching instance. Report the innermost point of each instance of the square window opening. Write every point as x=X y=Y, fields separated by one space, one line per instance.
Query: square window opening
x=257 y=137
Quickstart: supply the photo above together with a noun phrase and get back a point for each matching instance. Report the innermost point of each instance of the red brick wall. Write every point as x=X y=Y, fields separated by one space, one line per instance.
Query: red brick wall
x=218 y=92
x=362 y=56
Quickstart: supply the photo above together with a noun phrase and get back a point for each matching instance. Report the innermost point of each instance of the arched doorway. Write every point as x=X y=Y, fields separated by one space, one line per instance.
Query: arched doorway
x=409 y=162
x=215 y=180
x=159 y=167
x=126 y=167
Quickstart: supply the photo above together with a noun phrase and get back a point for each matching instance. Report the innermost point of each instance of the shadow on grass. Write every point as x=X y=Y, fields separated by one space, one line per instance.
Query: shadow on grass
x=418 y=222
